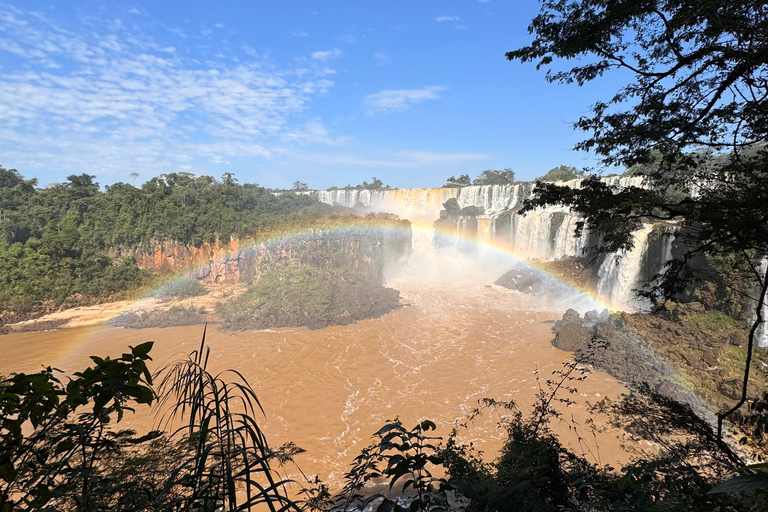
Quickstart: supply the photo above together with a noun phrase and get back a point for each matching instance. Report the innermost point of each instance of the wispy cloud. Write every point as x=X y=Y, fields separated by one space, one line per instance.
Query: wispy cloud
x=381 y=58
x=116 y=100
x=400 y=159
x=325 y=56
x=443 y=19
x=300 y=34
x=348 y=38
x=400 y=99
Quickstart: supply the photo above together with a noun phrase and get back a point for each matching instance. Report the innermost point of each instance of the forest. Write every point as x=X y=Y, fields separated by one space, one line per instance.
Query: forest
x=55 y=240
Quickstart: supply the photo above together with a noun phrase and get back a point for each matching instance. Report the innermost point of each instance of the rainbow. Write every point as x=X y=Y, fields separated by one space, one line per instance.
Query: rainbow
x=424 y=228
x=342 y=227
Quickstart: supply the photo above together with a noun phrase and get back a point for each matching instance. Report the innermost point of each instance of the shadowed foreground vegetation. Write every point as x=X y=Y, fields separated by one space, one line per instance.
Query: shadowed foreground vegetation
x=61 y=449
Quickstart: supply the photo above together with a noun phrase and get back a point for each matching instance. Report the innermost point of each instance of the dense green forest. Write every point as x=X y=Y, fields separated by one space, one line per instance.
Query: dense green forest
x=53 y=240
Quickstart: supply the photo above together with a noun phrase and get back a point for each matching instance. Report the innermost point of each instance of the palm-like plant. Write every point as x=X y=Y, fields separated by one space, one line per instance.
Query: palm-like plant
x=228 y=455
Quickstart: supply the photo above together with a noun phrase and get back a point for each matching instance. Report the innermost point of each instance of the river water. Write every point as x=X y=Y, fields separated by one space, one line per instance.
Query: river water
x=328 y=390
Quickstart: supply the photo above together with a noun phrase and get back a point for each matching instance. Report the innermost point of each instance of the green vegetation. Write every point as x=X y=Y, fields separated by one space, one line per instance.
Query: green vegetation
x=681 y=119
x=562 y=173
x=56 y=243
x=712 y=321
x=375 y=184
x=174 y=316
x=291 y=296
x=60 y=449
x=181 y=289
x=487 y=177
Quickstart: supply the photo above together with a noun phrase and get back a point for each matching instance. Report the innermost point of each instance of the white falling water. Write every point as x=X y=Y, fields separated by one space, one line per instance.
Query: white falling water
x=546 y=234
x=762 y=330
x=620 y=274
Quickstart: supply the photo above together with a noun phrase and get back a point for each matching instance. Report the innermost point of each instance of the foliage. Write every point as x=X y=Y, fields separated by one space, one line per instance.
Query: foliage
x=398 y=455
x=228 y=451
x=494 y=177
x=375 y=184
x=462 y=181
x=53 y=241
x=182 y=289
x=53 y=435
x=176 y=315
x=693 y=115
x=58 y=450
x=562 y=173
x=290 y=296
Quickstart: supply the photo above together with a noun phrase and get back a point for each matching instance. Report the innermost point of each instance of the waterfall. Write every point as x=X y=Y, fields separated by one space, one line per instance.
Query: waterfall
x=545 y=234
x=762 y=331
x=621 y=273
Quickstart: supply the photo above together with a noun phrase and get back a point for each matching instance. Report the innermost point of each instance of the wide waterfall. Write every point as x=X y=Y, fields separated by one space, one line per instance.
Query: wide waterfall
x=544 y=234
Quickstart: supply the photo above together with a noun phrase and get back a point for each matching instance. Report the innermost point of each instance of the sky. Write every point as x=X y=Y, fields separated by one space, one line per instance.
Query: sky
x=324 y=92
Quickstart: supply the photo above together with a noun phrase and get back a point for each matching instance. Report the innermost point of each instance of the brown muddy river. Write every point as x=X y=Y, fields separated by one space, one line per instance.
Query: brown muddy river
x=328 y=390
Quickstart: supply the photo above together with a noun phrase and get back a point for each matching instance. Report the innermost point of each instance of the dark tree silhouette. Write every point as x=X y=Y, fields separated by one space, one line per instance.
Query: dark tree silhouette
x=693 y=115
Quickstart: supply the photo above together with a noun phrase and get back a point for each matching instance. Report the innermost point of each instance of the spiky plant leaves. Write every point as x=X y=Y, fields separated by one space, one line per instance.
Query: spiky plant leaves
x=230 y=455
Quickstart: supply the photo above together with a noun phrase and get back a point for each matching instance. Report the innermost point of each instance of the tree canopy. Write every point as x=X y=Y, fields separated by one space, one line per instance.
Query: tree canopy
x=495 y=177
x=54 y=240
x=562 y=173
x=692 y=113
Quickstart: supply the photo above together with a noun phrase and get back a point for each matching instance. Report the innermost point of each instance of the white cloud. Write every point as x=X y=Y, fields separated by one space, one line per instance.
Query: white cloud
x=401 y=99
x=381 y=58
x=113 y=100
x=325 y=56
x=314 y=132
x=347 y=39
x=400 y=159
x=299 y=34
x=442 y=19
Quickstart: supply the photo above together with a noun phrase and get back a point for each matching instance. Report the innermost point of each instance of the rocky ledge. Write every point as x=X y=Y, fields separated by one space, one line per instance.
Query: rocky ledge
x=685 y=352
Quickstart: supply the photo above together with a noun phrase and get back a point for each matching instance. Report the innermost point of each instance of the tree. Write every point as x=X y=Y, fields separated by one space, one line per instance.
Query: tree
x=562 y=173
x=693 y=114
x=462 y=181
x=299 y=186
x=493 y=177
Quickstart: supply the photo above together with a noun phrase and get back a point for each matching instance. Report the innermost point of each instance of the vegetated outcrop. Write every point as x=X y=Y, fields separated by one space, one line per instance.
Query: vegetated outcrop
x=368 y=244
x=321 y=277
x=684 y=351
x=174 y=316
x=294 y=296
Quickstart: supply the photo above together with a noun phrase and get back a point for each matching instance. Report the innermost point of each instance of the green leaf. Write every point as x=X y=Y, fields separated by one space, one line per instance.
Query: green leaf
x=742 y=483
x=64 y=446
x=143 y=349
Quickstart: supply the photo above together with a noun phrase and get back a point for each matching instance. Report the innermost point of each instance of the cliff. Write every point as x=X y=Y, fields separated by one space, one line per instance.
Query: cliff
x=363 y=244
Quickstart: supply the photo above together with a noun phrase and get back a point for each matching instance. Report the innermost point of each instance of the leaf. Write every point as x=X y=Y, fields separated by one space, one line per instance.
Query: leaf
x=143 y=349
x=462 y=486
x=386 y=506
x=64 y=446
x=742 y=483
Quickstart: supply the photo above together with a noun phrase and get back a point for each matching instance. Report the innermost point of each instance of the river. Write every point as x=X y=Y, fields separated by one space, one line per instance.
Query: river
x=458 y=340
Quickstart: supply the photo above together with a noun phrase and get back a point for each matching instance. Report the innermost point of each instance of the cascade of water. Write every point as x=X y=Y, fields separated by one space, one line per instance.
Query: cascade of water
x=620 y=274
x=762 y=330
x=547 y=233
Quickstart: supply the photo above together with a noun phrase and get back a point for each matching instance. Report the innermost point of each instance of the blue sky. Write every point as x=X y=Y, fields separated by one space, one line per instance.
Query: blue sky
x=329 y=93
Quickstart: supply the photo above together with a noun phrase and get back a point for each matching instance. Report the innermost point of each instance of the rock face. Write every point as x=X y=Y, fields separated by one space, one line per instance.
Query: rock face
x=369 y=245
x=683 y=352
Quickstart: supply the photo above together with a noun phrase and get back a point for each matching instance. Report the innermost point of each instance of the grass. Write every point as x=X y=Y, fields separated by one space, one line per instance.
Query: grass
x=712 y=321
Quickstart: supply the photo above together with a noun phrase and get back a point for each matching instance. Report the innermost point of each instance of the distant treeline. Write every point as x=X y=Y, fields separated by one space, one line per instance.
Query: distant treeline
x=53 y=240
